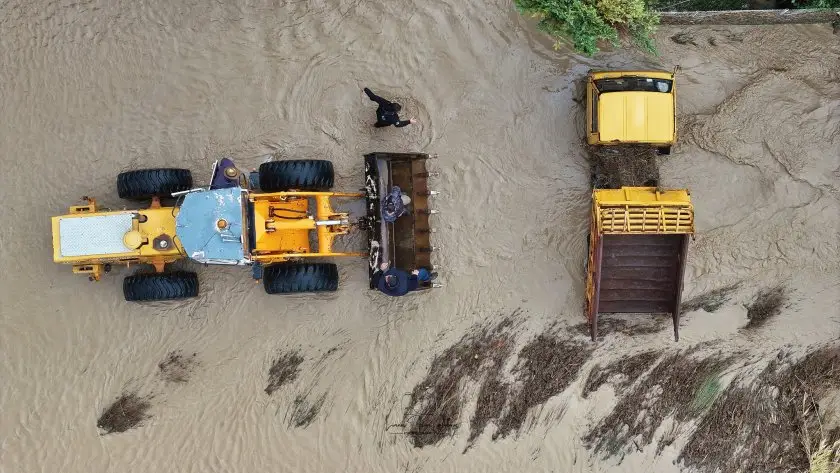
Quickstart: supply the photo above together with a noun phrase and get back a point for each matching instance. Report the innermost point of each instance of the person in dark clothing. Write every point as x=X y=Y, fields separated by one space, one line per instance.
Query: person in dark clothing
x=396 y=282
x=387 y=113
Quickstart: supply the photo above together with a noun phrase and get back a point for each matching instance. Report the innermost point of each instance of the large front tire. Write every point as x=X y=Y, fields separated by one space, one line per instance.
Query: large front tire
x=288 y=278
x=160 y=286
x=147 y=183
x=298 y=174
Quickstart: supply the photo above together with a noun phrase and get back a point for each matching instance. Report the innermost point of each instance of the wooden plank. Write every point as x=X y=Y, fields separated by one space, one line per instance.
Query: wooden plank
x=641 y=263
x=635 y=307
x=636 y=284
x=641 y=251
x=643 y=240
x=652 y=295
x=648 y=274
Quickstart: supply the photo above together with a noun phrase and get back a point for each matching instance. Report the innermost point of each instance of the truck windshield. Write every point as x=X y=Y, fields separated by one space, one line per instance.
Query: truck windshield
x=633 y=84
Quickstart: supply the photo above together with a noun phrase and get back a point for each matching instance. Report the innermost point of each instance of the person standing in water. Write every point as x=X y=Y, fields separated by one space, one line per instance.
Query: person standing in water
x=387 y=113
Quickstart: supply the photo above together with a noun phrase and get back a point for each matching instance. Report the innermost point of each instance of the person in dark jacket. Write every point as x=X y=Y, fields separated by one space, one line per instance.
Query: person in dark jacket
x=387 y=113
x=396 y=282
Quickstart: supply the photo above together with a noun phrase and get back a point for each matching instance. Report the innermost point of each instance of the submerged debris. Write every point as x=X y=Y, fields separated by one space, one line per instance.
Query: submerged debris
x=435 y=406
x=492 y=398
x=710 y=301
x=126 y=412
x=627 y=370
x=683 y=38
x=670 y=389
x=177 y=367
x=304 y=411
x=772 y=423
x=546 y=367
x=618 y=323
x=283 y=370
x=767 y=304
x=614 y=167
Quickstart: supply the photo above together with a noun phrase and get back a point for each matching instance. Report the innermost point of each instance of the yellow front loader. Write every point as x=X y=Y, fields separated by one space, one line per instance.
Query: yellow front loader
x=278 y=220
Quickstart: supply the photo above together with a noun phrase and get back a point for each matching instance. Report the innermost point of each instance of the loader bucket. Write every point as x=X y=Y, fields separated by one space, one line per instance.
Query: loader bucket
x=405 y=243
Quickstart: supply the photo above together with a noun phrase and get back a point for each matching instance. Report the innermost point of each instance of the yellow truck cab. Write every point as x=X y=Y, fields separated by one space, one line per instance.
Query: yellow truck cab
x=631 y=107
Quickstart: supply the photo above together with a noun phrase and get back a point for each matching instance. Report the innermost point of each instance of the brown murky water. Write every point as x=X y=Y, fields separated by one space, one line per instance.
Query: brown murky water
x=92 y=88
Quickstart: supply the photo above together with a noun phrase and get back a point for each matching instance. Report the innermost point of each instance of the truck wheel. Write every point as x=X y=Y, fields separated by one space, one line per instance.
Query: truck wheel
x=300 y=277
x=298 y=174
x=147 y=183
x=160 y=286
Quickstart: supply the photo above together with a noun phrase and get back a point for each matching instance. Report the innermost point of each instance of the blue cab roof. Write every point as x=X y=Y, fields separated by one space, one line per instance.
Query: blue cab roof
x=200 y=233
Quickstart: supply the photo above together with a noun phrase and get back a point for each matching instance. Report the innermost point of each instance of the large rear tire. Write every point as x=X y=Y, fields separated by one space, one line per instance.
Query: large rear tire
x=298 y=174
x=290 y=278
x=147 y=183
x=160 y=286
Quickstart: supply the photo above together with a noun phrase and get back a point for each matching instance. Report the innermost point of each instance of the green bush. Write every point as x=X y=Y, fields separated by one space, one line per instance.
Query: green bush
x=586 y=22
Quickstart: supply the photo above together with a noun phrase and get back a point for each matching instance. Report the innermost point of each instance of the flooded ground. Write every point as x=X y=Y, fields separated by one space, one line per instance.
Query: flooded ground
x=92 y=88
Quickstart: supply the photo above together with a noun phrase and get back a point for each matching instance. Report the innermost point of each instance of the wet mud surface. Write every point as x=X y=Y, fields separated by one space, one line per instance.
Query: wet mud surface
x=89 y=89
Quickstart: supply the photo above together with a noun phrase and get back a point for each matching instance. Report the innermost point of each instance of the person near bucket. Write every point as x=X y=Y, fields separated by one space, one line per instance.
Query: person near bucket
x=396 y=282
x=394 y=205
x=387 y=113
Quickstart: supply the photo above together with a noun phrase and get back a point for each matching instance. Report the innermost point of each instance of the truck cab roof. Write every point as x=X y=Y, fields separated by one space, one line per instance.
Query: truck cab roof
x=636 y=117
x=631 y=107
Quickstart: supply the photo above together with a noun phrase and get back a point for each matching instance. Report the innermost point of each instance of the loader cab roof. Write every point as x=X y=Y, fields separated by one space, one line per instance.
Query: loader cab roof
x=210 y=226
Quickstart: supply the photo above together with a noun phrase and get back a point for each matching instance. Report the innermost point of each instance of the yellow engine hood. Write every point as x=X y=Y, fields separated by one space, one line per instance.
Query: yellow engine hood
x=640 y=117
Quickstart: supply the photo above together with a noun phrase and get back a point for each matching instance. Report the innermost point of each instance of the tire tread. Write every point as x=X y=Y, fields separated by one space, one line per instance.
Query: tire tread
x=160 y=286
x=288 y=278
x=147 y=183
x=298 y=174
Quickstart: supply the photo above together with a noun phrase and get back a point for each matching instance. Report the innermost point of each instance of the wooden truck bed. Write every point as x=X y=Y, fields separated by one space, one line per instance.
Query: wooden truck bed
x=638 y=246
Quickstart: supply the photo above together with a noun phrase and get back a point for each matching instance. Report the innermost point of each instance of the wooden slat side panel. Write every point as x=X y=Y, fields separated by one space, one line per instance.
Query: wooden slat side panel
x=639 y=273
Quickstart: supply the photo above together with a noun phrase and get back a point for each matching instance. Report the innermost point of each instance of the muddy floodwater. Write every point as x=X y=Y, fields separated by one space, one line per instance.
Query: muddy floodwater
x=239 y=381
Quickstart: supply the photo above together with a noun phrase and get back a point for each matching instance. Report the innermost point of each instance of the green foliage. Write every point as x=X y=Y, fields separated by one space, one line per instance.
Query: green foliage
x=639 y=20
x=706 y=395
x=621 y=11
x=572 y=20
x=586 y=22
x=826 y=459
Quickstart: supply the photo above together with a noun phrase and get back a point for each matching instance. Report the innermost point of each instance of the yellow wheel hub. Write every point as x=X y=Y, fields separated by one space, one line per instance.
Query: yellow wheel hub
x=133 y=239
